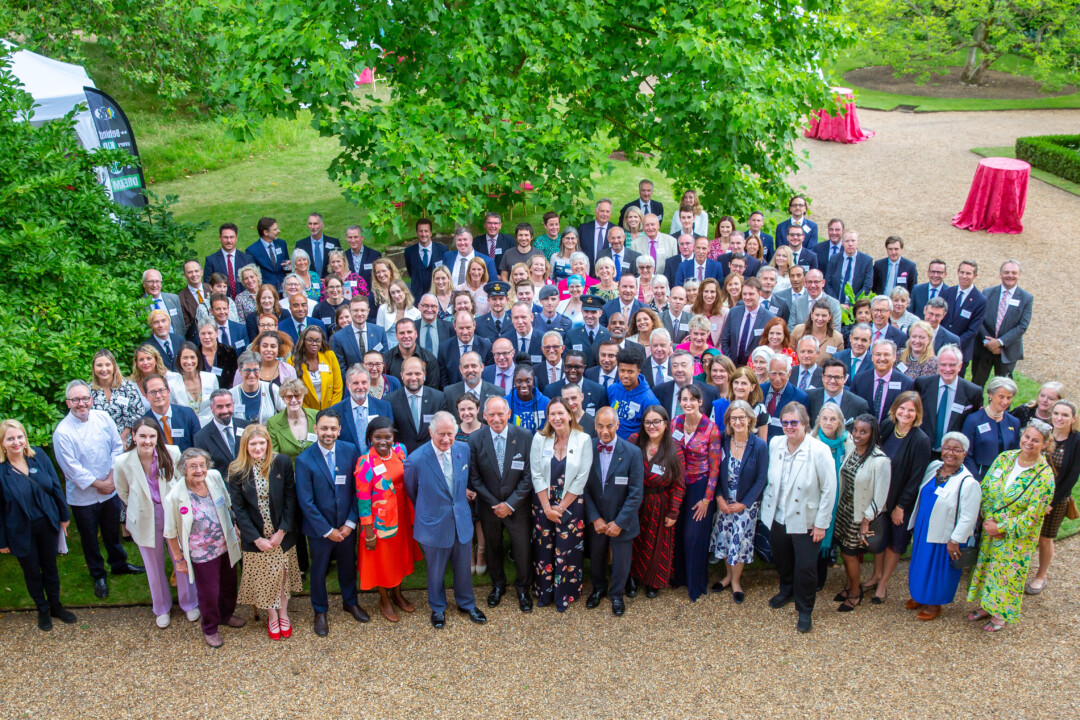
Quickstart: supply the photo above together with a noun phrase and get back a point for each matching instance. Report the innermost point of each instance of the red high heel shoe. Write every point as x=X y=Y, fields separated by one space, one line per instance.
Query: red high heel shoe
x=273 y=629
x=286 y=628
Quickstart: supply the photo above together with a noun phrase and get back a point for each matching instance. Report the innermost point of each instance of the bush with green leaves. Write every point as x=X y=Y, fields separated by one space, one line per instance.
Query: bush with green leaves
x=74 y=261
x=1057 y=154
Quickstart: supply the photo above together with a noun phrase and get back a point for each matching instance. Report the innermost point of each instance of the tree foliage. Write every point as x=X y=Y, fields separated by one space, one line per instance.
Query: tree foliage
x=74 y=261
x=490 y=94
x=921 y=36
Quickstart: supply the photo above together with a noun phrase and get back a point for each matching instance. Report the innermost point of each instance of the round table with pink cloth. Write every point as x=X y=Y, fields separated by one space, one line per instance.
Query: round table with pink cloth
x=997 y=197
x=842 y=125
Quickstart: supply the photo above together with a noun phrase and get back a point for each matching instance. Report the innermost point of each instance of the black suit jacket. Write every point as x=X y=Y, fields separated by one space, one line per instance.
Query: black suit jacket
x=329 y=243
x=629 y=260
x=968 y=395
x=587 y=236
x=671 y=267
x=363 y=266
x=216 y=263
x=966 y=321
x=431 y=402
x=850 y=404
x=908 y=467
x=503 y=242
x=15 y=527
x=865 y=382
x=210 y=440
x=907 y=276
x=617 y=497
x=450 y=357
x=655 y=206
x=283 y=505
x=175 y=341
x=419 y=273
x=777 y=307
x=494 y=484
x=807 y=258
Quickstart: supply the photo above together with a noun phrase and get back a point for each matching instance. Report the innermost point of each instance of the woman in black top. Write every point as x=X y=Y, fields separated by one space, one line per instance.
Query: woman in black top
x=1063 y=454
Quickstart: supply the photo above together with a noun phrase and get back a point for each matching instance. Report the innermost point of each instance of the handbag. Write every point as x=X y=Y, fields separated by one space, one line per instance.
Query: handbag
x=969 y=554
x=1071 y=510
x=875 y=541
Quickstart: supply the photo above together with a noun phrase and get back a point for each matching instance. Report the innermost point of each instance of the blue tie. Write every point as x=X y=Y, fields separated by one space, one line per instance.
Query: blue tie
x=317 y=251
x=330 y=462
x=424 y=256
x=933 y=293
x=360 y=420
x=618 y=266
x=745 y=335
x=847 y=270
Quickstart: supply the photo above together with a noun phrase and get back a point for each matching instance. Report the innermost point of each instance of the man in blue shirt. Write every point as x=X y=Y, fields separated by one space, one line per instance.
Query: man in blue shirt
x=631 y=395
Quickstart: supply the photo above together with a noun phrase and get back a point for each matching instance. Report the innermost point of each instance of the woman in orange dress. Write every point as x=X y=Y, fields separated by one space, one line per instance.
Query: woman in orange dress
x=387 y=549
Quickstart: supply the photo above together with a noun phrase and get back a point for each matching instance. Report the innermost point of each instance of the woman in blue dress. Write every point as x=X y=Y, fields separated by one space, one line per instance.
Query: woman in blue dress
x=943 y=521
x=992 y=430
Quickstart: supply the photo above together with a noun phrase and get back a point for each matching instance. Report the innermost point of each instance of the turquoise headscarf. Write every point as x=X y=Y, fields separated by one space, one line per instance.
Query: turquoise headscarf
x=836 y=447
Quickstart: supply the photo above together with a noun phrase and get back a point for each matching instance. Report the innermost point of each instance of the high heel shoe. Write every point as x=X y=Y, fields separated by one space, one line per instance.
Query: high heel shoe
x=846 y=606
x=273 y=629
x=286 y=628
x=481 y=562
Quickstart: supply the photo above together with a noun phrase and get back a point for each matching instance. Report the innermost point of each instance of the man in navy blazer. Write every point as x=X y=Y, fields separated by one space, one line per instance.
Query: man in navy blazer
x=232 y=334
x=594 y=396
x=880 y=327
x=999 y=345
x=318 y=245
x=453 y=348
x=422 y=258
x=745 y=324
x=644 y=203
x=849 y=267
x=682 y=374
x=779 y=392
x=857 y=357
x=895 y=270
x=181 y=422
x=414 y=427
x=625 y=259
x=326 y=495
x=834 y=376
x=962 y=398
x=755 y=224
x=928 y=290
x=592 y=235
x=967 y=306
x=463 y=248
x=493 y=242
x=299 y=321
x=345 y=343
x=885 y=382
x=525 y=338
x=359 y=256
x=797 y=208
x=625 y=303
x=613 y=494
x=700 y=267
x=934 y=313
x=227 y=257
x=832 y=245
x=436 y=478
x=163 y=338
x=358 y=408
x=671 y=264
x=801 y=252
x=270 y=253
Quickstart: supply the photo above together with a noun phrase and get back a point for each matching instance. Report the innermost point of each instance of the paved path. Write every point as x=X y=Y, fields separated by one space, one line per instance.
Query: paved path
x=914 y=176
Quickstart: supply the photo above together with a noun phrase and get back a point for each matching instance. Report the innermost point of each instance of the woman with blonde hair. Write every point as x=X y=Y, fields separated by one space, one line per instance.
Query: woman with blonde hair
x=400 y=304
x=634 y=225
x=917 y=358
x=476 y=276
x=251 y=279
x=116 y=395
x=782 y=260
x=383 y=274
x=607 y=288
x=539 y=273
x=442 y=287
x=354 y=283
x=148 y=362
x=316 y=366
x=263 y=493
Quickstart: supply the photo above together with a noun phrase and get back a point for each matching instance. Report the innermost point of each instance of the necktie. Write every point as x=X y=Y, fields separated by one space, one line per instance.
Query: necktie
x=744 y=336
x=500 y=451
x=933 y=292
x=700 y=273
x=617 y=257
x=1003 y=307
x=592 y=336
x=448 y=472
x=168 y=347
x=942 y=415
x=429 y=344
x=317 y=251
x=847 y=270
x=491 y=247
x=166 y=429
x=598 y=243
x=834 y=249
x=464 y=350
x=223 y=335
x=607 y=381
x=890 y=282
x=524 y=344
x=498 y=327
x=877 y=336
x=414 y=405
x=647 y=206
x=232 y=275
x=879 y=396
x=198 y=294
x=360 y=420
x=832 y=400
x=552 y=373
x=330 y=462
x=652 y=250
x=854 y=365
x=502 y=381
x=961 y=296
x=424 y=256
x=773 y=397
x=230 y=440
x=157 y=304
x=804 y=378
x=360 y=341
x=659 y=374
x=461 y=271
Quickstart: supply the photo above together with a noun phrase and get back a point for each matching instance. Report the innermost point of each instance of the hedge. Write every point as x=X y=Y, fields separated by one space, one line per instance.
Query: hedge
x=1056 y=154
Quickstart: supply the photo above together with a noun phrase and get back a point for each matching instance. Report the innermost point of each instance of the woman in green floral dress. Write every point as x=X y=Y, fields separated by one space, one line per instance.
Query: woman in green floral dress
x=1016 y=494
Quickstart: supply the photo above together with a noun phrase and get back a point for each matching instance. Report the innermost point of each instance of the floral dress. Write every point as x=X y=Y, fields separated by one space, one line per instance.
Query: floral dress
x=558 y=550
x=1018 y=507
x=654 y=546
x=547 y=245
x=733 y=534
x=125 y=406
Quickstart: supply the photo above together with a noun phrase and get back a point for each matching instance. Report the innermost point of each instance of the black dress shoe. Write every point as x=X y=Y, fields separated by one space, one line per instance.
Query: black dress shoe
x=805 y=623
x=44 y=620
x=475 y=615
x=651 y=592
x=525 y=602
x=594 y=598
x=359 y=614
x=101 y=588
x=779 y=600
x=720 y=587
x=438 y=620
x=63 y=614
x=618 y=607
x=738 y=597
x=321 y=628
x=631 y=588
x=495 y=596
x=129 y=569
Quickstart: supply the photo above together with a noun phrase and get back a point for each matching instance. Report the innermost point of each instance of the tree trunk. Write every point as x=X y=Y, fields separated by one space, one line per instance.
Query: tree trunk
x=973 y=67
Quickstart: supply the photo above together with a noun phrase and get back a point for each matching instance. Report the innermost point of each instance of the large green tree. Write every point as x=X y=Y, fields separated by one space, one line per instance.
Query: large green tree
x=486 y=95
x=923 y=36
x=73 y=261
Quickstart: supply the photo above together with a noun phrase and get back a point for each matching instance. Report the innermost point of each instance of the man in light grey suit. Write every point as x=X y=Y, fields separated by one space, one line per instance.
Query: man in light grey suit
x=471 y=367
x=1000 y=341
x=815 y=288
x=795 y=297
x=157 y=300
x=436 y=478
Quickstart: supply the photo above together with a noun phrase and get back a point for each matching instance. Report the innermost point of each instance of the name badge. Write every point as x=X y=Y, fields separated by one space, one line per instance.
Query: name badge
x=536 y=358
x=1014 y=303
x=178 y=432
x=377 y=346
x=216 y=370
x=775 y=421
x=324 y=367
x=238 y=431
x=901 y=367
x=657 y=470
x=311 y=437
x=576 y=346
x=498 y=251
x=625 y=265
x=984 y=428
x=239 y=344
x=677 y=435
x=684 y=326
x=427 y=418
x=940 y=491
x=894 y=385
x=958 y=408
x=172 y=311
x=380 y=469
x=591 y=411
x=220 y=502
x=339 y=479
x=965 y=314
x=517 y=464
x=830 y=349
x=350 y=284
x=758 y=331
x=367 y=266
x=621 y=479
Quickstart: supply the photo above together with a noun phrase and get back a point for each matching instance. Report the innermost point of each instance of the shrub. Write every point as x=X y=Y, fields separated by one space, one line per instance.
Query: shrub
x=1056 y=154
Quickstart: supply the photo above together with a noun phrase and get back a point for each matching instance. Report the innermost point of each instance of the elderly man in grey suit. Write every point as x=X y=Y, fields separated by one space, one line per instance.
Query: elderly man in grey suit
x=1000 y=341
x=157 y=300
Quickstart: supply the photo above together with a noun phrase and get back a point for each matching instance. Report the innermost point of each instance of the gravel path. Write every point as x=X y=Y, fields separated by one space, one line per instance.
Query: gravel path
x=665 y=658
x=913 y=177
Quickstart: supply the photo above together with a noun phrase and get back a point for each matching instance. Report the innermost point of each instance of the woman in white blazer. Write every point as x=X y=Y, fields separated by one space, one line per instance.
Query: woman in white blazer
x=203 y=541
x=560 y=459
x=254 y=400
x=797 y=508
x=942 y=522
x=143 y=476
x=190 y=386
x=864 y=491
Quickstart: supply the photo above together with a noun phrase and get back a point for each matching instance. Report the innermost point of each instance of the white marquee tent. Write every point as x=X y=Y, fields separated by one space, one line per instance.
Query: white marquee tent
x=57 y=87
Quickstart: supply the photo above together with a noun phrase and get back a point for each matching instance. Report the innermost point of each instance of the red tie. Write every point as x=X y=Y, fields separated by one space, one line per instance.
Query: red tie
x=232 y=276
x=606 y=448
x=502 y=381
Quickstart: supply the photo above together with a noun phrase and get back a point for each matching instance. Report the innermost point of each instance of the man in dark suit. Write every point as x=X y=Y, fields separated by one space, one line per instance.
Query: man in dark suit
x=625 y=260
x=644 y=203
x=431 y=332
x=1000 y=341
x=193 y=294
x=492 y=242
x=359 y=256
x=745 y=324
x=169 y=303
x=831 y=246
x=228 y=260
x=626 y=303
x=769 y=299
x=849 y=267
x=880 y=387
x=501 y=373
x=406 y=348
x=326 y=496
x=928 y=290
x=221 y=436
x=358 y=408
x=350 y=344
x=471 y=368
x=455 y=348
x=550 y=369
x=436 y=480
x=700 y=267
x=583 y=338
x=179 y=423
x=671 y=264
x=163 y=338
x=605 y=372
x=676 y=316
x=682 y=374
x=270 y=253
x=807 y=375
x=737 y=249
x=833 y=379
x=499 y=475
x=593 y=395
x=856 y=358
x=525 y=338
x=458 y=257
x=657 y=367
x=422 y=258
x=318 y=245
x=298 y=320
x=232 y=334
x=613 y=495
x=967 y=306
x=802 y=253
x=895 y=270
x=593 y=234
x=880 y=327
x=414 y=405
x=779 y=392
x=947 y=398
x=496 y=323
x=797 y=208
x=934 y=312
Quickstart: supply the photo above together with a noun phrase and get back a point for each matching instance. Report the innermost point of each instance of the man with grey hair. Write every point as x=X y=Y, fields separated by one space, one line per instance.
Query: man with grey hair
x=358 y=408
x=359 y=256
x=880 y=387
x=644 y=202
x=593 y=234
x=624 y=258
x=656 y=245
x=684 y=252
x=881 y=328
x=87 y=444
x=318 y=244
x=737 y=249
x=682 y=374
x=1000 y=340
x=808 y=375
x=626 y=302
x=934 y=311
x=657 y=368
x=157 y=300
x=492 y=242
x=947 y=398
x=779 y=392
x=436 y=479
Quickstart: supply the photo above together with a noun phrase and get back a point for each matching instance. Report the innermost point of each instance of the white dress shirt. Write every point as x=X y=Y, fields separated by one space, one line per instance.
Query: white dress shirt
x=86 y=452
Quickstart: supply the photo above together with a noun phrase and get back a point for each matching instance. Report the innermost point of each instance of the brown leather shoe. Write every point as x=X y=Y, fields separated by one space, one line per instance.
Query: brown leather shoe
x=399 y=599
x=236 y=622
x=359 y=614
x=321 y=628
x=929 y=613
x=387 y=608
x=912 y=605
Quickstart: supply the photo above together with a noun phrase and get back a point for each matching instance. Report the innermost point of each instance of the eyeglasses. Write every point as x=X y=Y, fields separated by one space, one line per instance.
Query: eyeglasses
x=791 y=423
x=503 y=354
x=832 y=377
x=653 y=423
x=738 y=419
x=552 y=347
x=80 y=401
x=157 y=393
x=249 y=371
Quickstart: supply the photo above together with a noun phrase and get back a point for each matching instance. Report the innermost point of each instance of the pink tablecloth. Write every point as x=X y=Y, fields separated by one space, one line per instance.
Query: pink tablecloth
x=842 y=126
x=997 y=197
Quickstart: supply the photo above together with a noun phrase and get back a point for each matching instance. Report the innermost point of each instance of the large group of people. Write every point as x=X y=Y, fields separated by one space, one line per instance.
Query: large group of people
x=657 y=403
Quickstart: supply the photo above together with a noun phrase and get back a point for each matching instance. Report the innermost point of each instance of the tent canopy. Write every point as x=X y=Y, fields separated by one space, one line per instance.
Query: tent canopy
x=57 y=86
